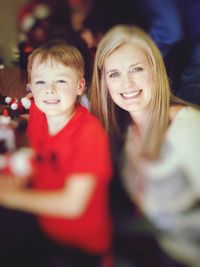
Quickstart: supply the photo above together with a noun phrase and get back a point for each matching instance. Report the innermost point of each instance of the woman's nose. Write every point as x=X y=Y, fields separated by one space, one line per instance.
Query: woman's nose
x=128 y=80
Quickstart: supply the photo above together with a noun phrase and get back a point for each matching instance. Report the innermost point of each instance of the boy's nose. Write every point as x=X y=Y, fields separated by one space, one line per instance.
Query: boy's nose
x=50 y=89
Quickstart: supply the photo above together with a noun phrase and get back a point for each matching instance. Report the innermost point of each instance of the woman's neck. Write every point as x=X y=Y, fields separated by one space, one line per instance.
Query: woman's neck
x=140 y=122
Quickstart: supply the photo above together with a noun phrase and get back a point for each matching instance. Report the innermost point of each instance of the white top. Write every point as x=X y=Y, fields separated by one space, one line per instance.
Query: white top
x=169 y=188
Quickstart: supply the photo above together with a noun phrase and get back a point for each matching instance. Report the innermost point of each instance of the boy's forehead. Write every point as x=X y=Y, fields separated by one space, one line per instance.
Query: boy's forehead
x=49 y=67
x=49 y=63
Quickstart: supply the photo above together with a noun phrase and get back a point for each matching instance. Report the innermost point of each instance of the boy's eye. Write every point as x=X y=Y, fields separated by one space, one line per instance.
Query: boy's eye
x=61 y=81
x=39 y=82
x=114 y=74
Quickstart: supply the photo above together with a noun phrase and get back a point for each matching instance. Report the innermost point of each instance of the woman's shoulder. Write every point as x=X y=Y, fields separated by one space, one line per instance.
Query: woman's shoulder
x=185 y=122
x=184 y=111
x=174 y=109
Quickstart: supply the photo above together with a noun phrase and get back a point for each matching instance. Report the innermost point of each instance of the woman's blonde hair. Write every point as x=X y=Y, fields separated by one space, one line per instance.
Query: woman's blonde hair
x=59 y=52
x=103 y=106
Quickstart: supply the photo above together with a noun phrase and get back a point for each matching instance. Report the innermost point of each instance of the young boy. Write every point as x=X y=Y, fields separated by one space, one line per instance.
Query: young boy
x=73 y=166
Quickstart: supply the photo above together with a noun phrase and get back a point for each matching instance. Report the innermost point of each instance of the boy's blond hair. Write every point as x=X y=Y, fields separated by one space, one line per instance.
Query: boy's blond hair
x=59 y=52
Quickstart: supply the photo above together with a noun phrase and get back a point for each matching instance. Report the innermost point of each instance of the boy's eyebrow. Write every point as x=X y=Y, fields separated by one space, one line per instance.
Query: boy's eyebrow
x=35 y=76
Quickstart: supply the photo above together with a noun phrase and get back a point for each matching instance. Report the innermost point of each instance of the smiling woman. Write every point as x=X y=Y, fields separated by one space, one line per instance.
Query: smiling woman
x=152 y=134
x=128 y=76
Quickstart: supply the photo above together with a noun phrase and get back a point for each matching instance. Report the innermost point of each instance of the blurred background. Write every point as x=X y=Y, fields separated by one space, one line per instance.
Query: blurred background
x=9 y=28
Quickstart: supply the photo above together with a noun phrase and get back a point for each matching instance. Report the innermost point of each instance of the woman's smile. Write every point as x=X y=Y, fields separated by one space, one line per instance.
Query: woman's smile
x=131 y=95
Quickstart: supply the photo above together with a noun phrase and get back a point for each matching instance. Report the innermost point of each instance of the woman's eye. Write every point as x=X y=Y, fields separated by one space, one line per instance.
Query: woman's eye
x=114 y=74
x=137 y=69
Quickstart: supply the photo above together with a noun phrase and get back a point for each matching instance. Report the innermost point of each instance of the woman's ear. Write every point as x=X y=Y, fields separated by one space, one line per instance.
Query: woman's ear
x=81 y=86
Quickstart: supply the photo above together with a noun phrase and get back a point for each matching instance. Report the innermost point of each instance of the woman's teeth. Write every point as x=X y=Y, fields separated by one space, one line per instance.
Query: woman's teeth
x=131 y=94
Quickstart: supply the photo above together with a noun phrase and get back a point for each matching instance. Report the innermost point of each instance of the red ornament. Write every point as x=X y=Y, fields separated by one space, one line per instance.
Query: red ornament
x=19 y=105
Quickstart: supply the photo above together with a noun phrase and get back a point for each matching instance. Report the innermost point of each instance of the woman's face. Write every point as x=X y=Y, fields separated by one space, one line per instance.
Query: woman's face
x=129 y=78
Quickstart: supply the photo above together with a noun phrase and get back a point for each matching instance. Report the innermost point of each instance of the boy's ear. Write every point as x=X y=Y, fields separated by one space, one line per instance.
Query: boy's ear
x=28 y=88
x=81 y=86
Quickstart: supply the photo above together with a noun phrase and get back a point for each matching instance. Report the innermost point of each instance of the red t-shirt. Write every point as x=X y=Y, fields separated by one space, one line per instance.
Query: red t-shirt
x=80 y=147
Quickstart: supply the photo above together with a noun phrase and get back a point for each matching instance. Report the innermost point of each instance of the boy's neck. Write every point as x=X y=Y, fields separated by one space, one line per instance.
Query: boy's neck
x=57 y=123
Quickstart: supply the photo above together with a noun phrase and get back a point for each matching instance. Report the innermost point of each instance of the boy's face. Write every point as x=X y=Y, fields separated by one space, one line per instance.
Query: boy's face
x=55 y=88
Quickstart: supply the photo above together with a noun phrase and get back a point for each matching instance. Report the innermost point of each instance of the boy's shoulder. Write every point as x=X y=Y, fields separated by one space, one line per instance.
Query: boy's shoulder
x=86 y=120
x=83 y=122
x=85 y=115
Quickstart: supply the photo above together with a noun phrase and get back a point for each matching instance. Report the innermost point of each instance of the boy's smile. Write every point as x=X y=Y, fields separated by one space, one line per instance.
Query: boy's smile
x=51 y=102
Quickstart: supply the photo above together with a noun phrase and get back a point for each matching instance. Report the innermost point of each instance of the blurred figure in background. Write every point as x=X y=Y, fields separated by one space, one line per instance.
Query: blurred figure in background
x=93 y=28
x=162 y=20
x=79 y=9
x=155 y=138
